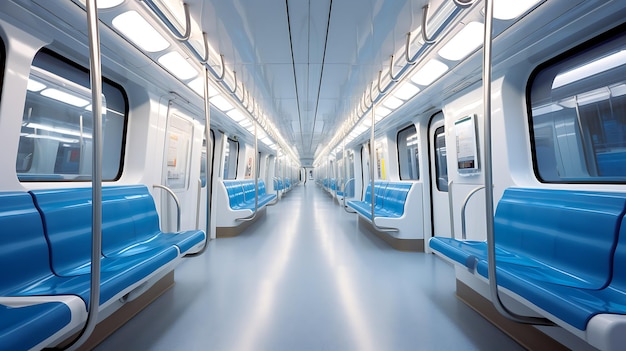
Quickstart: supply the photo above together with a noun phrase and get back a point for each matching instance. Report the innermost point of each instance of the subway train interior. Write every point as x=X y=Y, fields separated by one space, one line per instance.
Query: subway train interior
x=312 y=175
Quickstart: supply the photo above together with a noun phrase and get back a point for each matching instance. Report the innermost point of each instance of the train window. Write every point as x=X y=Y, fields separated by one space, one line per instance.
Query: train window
x=578 y=114
x=408 y=156
x=441 y=159
x=231 y=156
x=55 y=140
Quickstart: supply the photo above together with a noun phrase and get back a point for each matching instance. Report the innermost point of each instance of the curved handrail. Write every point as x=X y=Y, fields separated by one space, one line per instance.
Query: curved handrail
x=391 y=75
x=96 y=179
x=382 y=91
x=408 y=49
x=427 y=40
x=205 y=58
x=371 y=94
x=169 y=25
x=489 y=210
x=463 y=207
x=173 y=195
x=220 y=78
x=345 y=207
x=234 y=91
x=464 y=3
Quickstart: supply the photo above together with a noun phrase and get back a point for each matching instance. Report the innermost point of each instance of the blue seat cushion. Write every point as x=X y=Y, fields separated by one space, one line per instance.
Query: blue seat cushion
x=21 y=328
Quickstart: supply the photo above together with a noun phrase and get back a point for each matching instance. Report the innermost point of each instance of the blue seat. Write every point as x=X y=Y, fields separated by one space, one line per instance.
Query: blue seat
x=389 y=198
x=25 y=262
x=22 y=328
x=563 y=251
x=241 y=194
x=133 y=247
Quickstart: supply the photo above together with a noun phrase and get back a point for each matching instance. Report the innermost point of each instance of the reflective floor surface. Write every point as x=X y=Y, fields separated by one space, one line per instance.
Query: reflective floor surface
x=307 y=277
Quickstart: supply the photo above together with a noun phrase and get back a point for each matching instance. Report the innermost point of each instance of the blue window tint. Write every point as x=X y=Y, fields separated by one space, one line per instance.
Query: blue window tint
x=56 y=137
x=578 y=115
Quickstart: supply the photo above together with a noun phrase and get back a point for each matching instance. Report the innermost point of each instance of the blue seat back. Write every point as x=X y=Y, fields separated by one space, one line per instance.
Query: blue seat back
x=23 y=248
x=248 y=190
x=576 y=231
x=379 y=193
x=262 y=190
x=395 y=196
x=619 y=260
x=128 y=216
x=235 y=192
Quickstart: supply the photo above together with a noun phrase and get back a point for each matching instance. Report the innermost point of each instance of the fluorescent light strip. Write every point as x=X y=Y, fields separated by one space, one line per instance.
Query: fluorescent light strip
x=466 y=41
x=236 y=115
x=105 y=4
x=382 y=111
x=140 y=32
x=432 y=70
x=198 y=86
x=392 y=102
x=64 y=97
x=221 y=103
x=590 y=69
x=406 y=90
x=177 y=65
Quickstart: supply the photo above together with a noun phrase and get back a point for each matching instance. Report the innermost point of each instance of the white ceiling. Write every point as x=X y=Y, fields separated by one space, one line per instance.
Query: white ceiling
x=307 y=62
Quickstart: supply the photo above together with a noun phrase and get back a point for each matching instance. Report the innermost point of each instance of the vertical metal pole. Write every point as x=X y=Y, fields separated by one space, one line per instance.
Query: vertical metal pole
x=256 y=166
x=491 y=245
x=372 y=159
x=209 y=156
x=96 y=173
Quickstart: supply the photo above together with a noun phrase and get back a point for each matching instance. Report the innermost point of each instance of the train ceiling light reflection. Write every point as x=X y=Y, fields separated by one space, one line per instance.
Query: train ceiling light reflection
x=382 y=111
x=590 y=69
x=236 y=115
x=432 y=70
x=136 y=29
x=64 y=97
x=466 y=41
x=58 y=130
x=35 y=86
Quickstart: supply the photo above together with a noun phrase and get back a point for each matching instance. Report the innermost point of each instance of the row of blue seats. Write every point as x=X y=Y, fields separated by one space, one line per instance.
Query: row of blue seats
x=562 y=251
x=241 y=194
x=46 y=242
x=389 y=200
x=279 y=184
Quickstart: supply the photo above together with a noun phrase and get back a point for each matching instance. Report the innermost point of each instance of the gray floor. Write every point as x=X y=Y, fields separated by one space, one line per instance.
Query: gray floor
x=306 y=277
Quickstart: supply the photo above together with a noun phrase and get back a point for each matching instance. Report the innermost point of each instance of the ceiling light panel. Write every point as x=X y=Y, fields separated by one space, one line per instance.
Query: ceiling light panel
x=406 y=91
x=432 y=70
x=507 y=9
x=176 y=64
x=136 y=29
x=466 y=41
x=221 y=103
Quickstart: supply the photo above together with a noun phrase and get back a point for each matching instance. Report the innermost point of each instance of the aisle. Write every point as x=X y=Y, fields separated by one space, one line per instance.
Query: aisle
x=306 y=277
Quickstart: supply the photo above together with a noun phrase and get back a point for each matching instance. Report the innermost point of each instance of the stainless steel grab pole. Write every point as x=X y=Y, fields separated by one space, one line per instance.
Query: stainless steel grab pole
x=491 y=245
x=96 y=174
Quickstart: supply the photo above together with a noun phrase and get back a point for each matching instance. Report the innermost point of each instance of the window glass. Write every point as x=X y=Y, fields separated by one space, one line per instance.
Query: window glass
x=231 y=154
x=408 y=155
x=578 y=114
x=441 y=159
x=56 y=137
